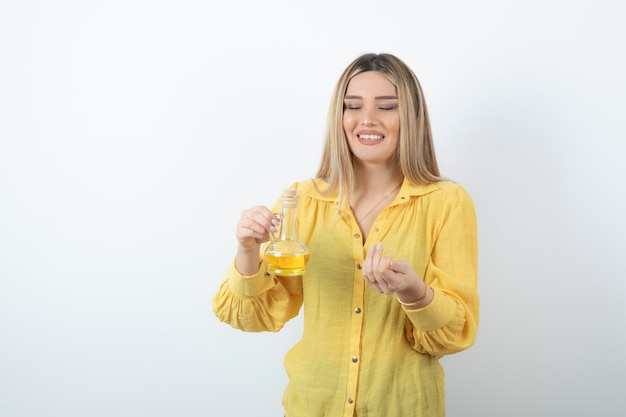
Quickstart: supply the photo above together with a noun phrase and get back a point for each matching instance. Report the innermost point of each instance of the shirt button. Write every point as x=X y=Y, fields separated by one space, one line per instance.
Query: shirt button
x=357 y=236
x=350 y=400
x=359 y=266
x=357 y=310
x=377 y=229
x=355 y=359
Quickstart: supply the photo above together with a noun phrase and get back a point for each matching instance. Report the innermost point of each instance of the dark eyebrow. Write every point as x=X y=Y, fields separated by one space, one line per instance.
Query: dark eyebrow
x=377 y=98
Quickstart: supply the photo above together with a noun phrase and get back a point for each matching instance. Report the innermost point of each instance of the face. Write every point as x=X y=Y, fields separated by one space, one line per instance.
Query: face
x=370 y=118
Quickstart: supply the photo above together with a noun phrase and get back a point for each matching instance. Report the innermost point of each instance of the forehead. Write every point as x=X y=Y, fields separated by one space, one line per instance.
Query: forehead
x=370 y=83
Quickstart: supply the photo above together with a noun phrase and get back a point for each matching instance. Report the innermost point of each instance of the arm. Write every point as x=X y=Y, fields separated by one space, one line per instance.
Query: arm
x=256 y=303
x=450 y=321
x=248 y=299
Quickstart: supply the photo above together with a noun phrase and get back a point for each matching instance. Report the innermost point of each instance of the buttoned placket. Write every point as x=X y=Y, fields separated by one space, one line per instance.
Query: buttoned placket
x=358 y=302
x=356 y=326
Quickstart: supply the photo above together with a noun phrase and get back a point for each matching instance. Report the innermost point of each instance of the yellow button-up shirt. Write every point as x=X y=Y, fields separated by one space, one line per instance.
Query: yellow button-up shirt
x=361 y=352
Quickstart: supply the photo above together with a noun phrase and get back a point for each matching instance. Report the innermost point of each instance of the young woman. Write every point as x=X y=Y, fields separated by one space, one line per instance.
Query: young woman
x=391 y=285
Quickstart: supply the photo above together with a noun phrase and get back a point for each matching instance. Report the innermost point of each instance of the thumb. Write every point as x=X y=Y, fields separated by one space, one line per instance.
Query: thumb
x=401 y=267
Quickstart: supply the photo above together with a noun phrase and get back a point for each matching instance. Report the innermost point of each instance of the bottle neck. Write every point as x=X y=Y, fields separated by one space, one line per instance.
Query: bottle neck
x=289 y=226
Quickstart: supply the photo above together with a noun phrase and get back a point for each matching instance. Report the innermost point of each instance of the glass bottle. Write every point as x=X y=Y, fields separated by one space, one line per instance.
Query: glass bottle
x=285 y=255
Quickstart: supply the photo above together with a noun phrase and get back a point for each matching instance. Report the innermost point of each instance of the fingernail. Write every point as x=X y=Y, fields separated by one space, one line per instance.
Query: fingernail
x=379 y=246
x=275 y=222
x=273 y=229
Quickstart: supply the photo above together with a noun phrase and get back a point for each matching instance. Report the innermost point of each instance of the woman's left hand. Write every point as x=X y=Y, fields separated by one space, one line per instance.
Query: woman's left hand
x=387 y=276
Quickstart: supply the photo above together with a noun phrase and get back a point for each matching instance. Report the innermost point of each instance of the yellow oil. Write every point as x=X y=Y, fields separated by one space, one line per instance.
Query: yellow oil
x=287 y=264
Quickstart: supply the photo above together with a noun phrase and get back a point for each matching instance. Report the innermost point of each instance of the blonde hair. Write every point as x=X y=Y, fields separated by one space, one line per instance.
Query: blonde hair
x=415 y=154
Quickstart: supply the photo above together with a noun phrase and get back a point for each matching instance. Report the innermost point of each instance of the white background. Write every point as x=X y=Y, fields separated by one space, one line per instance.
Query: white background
x=133 y=133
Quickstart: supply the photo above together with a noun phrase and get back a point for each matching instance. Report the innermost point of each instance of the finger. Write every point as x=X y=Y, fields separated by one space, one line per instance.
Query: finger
x=256 y=223
x=382 y=286
x=368 y=267
x=262 y=215
x=400 y=267
x=382 y=263
x=374 y=276
x=385 y=287
x=248 y=229
x=376 y=256
x=385 y=273
x=385 y=263
x=375 y=285
x=373 y=262
x=382 y=273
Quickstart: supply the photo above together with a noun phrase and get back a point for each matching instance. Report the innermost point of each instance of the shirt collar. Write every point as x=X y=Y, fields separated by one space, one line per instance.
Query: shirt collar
x=407 y=190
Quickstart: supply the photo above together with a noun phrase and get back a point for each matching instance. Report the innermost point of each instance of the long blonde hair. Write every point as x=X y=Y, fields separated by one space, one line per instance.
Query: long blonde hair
x=415 y=154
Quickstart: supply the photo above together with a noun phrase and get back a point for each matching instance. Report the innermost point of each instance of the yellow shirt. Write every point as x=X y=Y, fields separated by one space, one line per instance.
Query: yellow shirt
x=361 y=352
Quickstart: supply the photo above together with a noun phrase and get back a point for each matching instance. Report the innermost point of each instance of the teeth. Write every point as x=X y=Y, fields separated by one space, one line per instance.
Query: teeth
x=370 y=137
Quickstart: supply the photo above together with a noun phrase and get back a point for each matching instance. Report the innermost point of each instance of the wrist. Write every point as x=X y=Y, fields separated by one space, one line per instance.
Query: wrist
x=413 y=301
x=247 y=261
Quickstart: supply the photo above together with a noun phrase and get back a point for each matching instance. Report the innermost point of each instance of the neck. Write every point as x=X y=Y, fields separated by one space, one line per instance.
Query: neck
x=376 y=181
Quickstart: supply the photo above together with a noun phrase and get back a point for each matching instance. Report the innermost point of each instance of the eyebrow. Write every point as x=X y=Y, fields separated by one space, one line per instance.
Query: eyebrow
x=377 y=98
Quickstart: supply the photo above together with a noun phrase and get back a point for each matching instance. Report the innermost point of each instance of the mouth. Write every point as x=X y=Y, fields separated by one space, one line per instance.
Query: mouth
x=370 y=137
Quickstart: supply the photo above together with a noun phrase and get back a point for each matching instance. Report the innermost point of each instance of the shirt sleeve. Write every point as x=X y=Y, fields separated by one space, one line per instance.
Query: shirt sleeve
x=257 y=302
x=450 y=322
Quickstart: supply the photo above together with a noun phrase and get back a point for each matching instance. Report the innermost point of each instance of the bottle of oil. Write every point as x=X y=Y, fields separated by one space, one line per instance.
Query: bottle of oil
x=285 y=255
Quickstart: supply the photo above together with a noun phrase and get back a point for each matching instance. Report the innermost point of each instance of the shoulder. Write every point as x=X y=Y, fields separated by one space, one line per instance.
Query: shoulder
x=440 y=189
x=453 y=196
x=452 y=189
x=446 y=193
x=315 y=189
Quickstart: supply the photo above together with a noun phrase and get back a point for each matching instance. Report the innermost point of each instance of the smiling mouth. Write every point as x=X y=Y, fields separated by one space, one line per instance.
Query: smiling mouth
x=370 y=137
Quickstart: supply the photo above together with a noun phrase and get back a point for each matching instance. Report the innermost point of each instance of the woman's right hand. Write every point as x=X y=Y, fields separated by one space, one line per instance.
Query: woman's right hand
x=254 y=226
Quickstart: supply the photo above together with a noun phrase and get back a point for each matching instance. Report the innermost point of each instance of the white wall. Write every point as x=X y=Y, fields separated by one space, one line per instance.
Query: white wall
x=132 y=134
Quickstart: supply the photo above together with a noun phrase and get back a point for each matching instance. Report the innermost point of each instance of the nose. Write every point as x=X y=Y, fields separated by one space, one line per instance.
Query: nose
x=367 y=117
x=367 y=120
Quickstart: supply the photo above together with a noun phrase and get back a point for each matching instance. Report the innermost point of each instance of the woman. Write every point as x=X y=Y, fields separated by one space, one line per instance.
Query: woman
x=391 y=285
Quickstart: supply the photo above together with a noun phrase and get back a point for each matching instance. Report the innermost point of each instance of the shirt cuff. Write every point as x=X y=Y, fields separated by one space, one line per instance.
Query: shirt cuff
x=249 y=285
